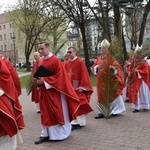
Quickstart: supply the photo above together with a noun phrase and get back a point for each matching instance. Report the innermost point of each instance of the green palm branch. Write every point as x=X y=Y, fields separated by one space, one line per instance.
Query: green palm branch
x=30 y=84
x=107 y=78
x=108 y=88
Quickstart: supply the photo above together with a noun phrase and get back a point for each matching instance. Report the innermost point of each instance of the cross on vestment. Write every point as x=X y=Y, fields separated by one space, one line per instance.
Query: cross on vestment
x=70 y=73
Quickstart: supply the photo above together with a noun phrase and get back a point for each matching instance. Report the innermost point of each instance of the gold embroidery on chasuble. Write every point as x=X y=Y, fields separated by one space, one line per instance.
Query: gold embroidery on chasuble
x=70 y=73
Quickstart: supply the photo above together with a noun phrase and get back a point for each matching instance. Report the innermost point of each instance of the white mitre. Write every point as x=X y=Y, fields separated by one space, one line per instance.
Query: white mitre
x=105 y=43
x=138 y=48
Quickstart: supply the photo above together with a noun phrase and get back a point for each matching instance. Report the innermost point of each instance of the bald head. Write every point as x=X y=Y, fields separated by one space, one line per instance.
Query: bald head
x=36 y=56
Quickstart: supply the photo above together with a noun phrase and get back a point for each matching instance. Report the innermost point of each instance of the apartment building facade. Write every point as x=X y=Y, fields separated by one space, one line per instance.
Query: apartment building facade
x=8 y=39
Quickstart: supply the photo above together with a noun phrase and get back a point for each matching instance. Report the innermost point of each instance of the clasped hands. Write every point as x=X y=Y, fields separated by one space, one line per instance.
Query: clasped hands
x=40 y=81
x=113 y=70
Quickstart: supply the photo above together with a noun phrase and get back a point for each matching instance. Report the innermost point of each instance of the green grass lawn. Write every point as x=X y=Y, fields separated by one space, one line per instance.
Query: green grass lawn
x=21 y=69
x=24 y=79
x=93 y=80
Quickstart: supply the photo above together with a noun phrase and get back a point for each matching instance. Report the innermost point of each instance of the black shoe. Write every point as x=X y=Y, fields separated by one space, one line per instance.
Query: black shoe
x=135 y=111
x=38 y=111
x=114 y=114
x=75 y=126
x=99 y=116
x=126 y=101
x=41 y=140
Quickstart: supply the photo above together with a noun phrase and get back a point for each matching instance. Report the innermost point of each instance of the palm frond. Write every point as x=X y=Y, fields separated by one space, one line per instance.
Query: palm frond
x=30 y=84
x=109 y=83
x=108 y=88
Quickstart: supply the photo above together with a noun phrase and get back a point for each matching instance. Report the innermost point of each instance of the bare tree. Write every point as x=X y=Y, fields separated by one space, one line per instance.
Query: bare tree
x=143 y=23
x=77 y=12
x=35 y=20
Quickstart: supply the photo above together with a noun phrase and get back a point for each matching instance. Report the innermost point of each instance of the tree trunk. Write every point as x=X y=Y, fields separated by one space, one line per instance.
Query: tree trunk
x=116 y=29
x=85 y=46
x=143 y=24
x=116 y=19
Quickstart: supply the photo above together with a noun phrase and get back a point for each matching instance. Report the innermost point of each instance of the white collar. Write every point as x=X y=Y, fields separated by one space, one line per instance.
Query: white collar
x=48 y=56
x=73 y=58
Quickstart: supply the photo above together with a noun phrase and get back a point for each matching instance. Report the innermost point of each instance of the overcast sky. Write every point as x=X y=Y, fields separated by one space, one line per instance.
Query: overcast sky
x=4 y=3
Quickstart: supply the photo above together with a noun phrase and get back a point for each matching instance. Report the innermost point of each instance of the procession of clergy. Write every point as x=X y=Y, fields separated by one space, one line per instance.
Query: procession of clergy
x=133 y=80
x=64 y=105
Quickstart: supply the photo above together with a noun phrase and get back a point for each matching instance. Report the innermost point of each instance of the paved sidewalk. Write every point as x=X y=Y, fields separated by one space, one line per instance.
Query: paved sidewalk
x=21 y=74
x=129 y=131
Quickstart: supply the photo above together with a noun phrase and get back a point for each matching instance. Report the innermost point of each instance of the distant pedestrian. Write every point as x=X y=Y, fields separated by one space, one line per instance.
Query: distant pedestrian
x=66 y=58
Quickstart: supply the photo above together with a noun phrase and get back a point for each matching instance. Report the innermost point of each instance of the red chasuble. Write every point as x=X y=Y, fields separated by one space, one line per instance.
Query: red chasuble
x=79 y=77
x=11 y=118
x=97 y=62
x=144 y=70
x=14 y=76
x=35 y=93
x=50 y=99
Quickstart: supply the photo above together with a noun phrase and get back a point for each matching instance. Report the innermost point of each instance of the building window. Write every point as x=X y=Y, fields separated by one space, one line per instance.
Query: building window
x=4 y=37
x=10 y=25
x=10 y=35
x=2 y=47
x=147 y=30
x=5 y=47
x=13 y=34
x=147 y=40
x=11 y=46
x=4 y=27
x=1 y=38
x=0 y=28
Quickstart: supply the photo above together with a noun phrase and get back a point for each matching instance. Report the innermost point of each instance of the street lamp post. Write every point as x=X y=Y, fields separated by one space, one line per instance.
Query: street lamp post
x=14 y=39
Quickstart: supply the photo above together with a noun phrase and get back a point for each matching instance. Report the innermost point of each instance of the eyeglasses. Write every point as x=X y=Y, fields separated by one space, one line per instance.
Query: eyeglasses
x=69 y=52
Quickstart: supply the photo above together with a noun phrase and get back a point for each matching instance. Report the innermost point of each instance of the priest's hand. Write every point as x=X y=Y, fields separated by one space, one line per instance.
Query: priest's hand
x=79 y=89
x=40 y=81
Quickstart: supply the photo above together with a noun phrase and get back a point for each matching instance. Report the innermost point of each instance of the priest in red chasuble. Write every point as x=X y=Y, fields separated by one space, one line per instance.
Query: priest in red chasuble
x=126 y=70
x=109 y=83
x=11 y=118
x=80 y=80
x=35 y=92
x=139 y=82
x=59 y=103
